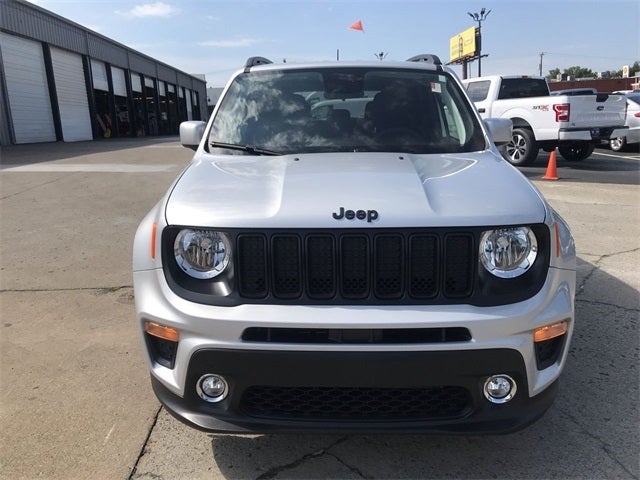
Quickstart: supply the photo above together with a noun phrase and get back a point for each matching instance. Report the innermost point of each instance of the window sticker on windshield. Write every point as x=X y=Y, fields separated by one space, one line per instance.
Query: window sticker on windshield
x=436 y=87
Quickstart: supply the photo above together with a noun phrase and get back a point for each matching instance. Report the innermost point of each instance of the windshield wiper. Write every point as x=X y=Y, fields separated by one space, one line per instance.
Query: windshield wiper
x=245 y=148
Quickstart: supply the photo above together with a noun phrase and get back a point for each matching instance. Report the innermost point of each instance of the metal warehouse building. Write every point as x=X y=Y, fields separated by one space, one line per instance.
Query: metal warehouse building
x=60 y=81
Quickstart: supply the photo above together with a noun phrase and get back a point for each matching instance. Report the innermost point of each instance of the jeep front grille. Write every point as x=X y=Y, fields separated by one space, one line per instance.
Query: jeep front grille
x=356 y=267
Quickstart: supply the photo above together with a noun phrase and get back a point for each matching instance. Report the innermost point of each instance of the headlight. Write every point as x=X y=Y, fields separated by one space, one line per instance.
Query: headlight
x=202 y=254
x=508 y=252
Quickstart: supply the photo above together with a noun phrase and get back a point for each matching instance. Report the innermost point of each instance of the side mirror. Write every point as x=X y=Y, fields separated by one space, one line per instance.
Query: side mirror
x=500 y=130
x=191 y=133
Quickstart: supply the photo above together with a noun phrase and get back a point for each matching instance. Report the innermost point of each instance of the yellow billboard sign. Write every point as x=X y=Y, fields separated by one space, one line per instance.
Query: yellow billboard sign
x=463 y=45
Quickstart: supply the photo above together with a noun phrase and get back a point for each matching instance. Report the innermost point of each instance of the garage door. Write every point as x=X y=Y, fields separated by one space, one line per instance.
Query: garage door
x=188 y=100
x=99 y=74
x=27 y=89
x=119 y=83
x=71 y=90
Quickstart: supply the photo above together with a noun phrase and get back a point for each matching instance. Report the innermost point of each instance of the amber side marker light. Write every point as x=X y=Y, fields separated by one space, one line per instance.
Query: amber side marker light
x=154 y=231
x=550 y=331
x=162 y=331
x=558 y=246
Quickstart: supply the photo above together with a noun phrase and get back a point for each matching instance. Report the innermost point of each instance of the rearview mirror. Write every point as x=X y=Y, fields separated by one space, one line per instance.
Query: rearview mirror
x=191 y=133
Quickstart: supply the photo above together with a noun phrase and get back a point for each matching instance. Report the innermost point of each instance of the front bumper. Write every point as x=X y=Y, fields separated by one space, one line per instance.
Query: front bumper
x=272 y=391
x=211 y=341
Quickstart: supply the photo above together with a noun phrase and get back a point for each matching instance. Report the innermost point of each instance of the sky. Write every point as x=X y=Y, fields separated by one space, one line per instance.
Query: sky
x=215 y=37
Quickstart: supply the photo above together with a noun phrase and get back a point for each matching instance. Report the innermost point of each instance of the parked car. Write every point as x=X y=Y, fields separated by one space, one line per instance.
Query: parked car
x=633 y=122
x=367 y=269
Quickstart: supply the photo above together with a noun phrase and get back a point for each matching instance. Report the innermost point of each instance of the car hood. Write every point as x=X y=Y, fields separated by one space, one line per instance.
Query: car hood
x=309 y=191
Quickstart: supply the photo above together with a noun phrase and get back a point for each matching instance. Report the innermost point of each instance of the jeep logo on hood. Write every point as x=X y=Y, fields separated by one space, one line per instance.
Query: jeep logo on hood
x=368 y=215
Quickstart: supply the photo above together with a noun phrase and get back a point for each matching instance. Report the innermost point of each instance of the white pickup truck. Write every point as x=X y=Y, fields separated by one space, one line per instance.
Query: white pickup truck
x=574 y=124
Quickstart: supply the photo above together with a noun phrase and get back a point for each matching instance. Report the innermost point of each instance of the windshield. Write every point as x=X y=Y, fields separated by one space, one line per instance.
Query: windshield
x=345 y=109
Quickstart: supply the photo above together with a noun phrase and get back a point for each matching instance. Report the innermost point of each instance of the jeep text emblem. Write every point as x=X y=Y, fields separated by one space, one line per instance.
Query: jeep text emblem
x=368 y=215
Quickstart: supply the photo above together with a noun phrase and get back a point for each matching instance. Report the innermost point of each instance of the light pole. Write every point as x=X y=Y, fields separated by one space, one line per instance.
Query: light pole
x=480 y=17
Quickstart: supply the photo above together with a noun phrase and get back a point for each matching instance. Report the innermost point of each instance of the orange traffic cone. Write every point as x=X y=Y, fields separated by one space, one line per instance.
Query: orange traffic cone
x=552 y=172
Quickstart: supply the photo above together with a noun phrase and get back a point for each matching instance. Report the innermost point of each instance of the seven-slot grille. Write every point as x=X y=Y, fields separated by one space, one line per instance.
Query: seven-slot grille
x=355 y=266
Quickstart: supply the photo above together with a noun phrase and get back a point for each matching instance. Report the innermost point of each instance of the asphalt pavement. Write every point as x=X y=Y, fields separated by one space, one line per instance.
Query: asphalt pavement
x=75 y=398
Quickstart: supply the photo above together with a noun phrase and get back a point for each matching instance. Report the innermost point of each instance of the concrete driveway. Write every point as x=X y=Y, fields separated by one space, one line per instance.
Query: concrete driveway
x=75 y=396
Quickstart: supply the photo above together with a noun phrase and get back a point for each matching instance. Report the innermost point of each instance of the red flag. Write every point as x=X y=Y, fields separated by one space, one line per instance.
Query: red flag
x=357 y=25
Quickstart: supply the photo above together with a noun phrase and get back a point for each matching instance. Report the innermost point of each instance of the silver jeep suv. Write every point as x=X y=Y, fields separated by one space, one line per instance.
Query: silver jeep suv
x=348 y=250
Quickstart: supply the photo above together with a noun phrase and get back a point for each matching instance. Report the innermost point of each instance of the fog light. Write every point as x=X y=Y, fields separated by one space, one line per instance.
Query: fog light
x=212 y=388
x=499 y=388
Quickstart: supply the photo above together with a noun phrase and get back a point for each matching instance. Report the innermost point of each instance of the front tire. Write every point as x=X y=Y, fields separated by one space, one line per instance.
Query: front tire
x=576 y=152
x=522 y=149
x=617 y=144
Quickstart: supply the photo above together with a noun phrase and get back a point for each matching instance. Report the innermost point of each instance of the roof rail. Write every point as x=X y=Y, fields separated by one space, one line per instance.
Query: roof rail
x=426 y=57
x=253 y=61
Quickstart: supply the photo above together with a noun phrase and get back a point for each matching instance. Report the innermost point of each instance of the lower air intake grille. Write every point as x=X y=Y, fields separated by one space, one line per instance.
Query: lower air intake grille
x=356 y=336
x=356 y=404
x=548 y=351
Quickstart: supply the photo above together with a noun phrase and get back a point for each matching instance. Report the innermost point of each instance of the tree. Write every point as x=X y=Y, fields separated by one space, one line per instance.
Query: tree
x=573 y=72
x=579 y=72
x=554 y=73
x=632 y=70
